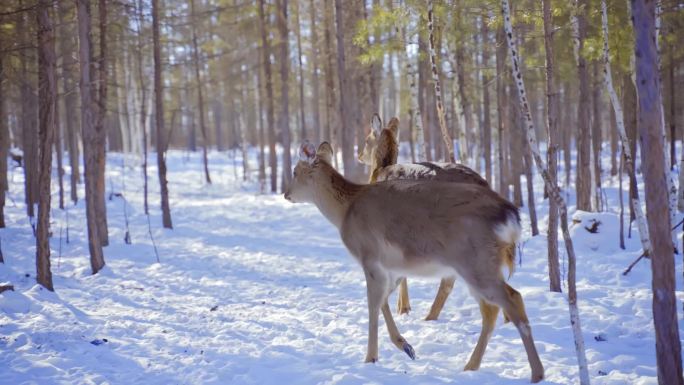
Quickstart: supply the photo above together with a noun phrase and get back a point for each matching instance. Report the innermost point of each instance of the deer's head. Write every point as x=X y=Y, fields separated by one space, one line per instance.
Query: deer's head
x=305 y=174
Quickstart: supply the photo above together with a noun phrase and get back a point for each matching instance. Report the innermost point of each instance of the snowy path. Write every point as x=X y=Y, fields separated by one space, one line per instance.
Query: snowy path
x=252 y=289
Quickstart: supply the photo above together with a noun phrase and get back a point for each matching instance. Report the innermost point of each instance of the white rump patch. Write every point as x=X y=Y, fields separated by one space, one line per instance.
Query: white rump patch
x=509 y=231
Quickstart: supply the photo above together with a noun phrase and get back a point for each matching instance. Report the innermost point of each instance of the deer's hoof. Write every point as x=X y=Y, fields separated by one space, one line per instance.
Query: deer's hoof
x=408 y=349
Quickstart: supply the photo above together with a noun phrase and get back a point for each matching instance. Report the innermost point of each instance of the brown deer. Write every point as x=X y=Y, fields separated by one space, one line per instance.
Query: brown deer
x=431 y=228
x=380 y=152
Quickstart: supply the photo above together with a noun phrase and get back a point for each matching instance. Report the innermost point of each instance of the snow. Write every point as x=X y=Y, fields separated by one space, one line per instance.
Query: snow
x=252 y=289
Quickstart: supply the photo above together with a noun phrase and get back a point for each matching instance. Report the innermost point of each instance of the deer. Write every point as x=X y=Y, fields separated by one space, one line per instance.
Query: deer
x=380 y=152
x=429 y=228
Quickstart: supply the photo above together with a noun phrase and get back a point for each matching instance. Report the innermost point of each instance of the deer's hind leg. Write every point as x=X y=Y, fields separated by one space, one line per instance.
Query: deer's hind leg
x=511 y=302
x=445 y=287
x=489 y=313
x=403 y=305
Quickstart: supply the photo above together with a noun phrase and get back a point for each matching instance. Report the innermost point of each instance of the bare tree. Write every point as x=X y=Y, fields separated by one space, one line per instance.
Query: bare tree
x=284 y=93
x=100 y=129
x=552 y=130
x=347 y=135
x=143 y=103
x=318 y=128
x=448 y=142
x=668 y=346
x=200 y=95
x=159 y=120
x=627 y=147
x=584 y=181
x=266 y=56
x=89 y=135
x=4 y=139
x=47 y=95
x=554 y=193
x=67 y=50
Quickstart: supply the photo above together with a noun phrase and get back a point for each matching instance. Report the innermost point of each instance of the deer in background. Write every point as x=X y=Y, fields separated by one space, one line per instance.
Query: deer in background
x=380 y=152
x=428 y=228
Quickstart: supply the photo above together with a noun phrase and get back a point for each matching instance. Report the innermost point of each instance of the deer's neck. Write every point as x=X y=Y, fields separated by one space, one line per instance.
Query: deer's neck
x=334 y=194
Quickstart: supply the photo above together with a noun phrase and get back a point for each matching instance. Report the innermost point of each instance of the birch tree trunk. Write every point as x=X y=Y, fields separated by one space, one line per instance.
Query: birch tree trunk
x=624 y=140
x=551 y=154
x=668 y=346
x=47 y=95
x=501 y=113
x=162 y=141
x=671 y=187
x=414 y=109
x=89 y=135
x=448 y=142
x=554 y=193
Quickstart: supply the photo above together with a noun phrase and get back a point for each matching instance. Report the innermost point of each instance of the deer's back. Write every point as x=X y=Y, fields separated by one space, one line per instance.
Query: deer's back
x=432 y=219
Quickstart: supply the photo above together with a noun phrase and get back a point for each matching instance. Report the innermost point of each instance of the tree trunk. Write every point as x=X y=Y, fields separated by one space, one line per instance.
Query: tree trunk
x=301 y=71
x=596 y=137
x=552 y=132
x=200 y=95
x=668 y=346
x=266 y=56
x=143 y=106
x=284 y=93
x=67 y=50
x=629 y=107
x=486 y=122
x=448 y=142
x=348 y=159
x=29 y=133
x=100 y=129
x=89 y=135
x=627 y=147
x=613 y=145
x=258 y=92
x=501 y=109
x=583 y=181
x=554 y=193
x=162 y=141
x=318 y=128
x=4 y=140
x=47 y=96
x=414 y=110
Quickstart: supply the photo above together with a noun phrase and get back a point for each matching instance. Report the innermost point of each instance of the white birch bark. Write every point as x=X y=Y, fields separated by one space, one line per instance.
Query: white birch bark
x=438 y=88
x=624 y=140
x=671 y=187
x=460 y=114
x=415 y=108
x=554 y=193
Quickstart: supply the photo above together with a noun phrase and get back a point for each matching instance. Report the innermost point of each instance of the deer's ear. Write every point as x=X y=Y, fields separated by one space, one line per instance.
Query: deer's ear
x=376 y=124
x=393 y=126
x=325 y=152
x=307 y=151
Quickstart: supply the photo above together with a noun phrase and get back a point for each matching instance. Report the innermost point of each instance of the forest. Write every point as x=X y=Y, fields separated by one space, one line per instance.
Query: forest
x=151 y=152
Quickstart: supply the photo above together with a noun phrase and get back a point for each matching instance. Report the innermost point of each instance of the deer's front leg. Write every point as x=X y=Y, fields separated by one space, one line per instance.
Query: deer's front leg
x=377 y=291
x=395 y=336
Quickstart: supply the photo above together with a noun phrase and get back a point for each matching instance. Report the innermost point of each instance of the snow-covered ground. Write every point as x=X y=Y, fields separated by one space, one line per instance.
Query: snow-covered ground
x=252 y=289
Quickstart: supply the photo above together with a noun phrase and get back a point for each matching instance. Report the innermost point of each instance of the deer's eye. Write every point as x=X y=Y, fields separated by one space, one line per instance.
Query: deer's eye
x=295 y=174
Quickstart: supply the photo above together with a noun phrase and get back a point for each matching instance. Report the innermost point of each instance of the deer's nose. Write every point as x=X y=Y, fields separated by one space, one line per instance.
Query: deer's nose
x=287 y=196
